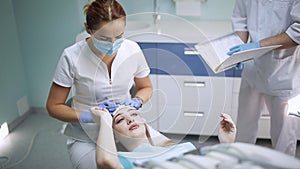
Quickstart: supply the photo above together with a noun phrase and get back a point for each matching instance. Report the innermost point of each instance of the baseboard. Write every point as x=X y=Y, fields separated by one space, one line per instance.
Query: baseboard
x=39 y=110
x=20 y=119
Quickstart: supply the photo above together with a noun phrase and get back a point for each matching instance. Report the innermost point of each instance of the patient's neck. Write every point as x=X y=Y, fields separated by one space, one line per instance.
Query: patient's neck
x=131 y=143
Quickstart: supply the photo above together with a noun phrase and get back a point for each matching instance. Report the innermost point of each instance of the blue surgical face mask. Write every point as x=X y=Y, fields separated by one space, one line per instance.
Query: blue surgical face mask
x=106 y=47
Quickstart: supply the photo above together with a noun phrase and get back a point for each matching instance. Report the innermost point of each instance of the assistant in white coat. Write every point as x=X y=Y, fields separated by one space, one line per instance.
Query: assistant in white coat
x=274 y=78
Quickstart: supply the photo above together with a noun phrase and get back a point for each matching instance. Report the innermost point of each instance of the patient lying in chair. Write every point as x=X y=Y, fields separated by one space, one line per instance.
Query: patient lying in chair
x=127 y=126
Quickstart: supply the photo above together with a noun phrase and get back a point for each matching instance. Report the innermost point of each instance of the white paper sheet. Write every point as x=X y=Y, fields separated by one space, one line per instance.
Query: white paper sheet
x=214 y=52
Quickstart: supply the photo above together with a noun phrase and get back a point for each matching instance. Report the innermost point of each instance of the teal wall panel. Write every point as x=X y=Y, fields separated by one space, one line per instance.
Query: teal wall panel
x=13 y=84
x=45 y=28
x=34 y=33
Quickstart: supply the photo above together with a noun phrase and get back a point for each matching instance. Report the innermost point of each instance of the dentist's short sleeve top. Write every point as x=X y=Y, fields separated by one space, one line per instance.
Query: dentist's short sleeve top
x=80 y=68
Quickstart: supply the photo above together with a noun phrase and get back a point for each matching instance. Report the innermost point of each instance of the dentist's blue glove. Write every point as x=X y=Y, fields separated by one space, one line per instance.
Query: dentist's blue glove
x=86 y=117
x=108 y=105
x=243 y=47
x=135 y=102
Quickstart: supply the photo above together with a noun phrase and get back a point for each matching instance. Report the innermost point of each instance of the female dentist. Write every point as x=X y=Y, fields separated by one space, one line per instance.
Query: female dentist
x=101 y=68
x=272 y=79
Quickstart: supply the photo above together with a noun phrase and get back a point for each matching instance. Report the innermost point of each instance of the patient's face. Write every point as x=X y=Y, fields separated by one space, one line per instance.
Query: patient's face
x=128 y=122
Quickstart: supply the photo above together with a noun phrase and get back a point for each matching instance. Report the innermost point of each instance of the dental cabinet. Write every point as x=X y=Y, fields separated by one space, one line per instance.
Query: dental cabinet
x=188 y=97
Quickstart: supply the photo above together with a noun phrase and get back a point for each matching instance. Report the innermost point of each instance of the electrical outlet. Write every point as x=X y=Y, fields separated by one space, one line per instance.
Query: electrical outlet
x=23 y=106
x=3 y=131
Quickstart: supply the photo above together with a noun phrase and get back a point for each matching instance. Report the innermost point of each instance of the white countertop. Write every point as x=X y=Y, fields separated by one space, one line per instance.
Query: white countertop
x=175 y=30
x=171 y=29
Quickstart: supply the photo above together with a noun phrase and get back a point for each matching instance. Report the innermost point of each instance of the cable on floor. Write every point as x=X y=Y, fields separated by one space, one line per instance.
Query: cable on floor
x=6 y=159
x=5 y=166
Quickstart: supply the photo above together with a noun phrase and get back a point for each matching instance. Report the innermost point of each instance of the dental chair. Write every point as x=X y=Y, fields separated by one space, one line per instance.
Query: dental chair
x=227 y=156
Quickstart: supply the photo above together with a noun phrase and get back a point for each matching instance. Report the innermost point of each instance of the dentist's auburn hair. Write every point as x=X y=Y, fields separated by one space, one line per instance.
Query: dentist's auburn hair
x=101 y=11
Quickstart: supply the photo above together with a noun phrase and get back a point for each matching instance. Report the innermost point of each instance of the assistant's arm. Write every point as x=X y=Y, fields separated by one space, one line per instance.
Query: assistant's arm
x=281 y=39
x=243 y=35
x=289 y=38
x=239 y=20
x=56 y=104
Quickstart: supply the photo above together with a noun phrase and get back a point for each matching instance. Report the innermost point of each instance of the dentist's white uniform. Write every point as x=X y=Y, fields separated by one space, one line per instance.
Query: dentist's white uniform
x=80 y=68
x=271 y=79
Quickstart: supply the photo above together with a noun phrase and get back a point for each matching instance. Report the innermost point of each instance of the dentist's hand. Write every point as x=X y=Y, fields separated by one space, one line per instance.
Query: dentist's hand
x=134 y=102
x=108 y=105
x=243 y=47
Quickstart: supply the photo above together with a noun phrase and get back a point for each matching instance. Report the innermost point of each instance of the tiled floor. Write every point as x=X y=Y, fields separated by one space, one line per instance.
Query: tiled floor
x=38 y=144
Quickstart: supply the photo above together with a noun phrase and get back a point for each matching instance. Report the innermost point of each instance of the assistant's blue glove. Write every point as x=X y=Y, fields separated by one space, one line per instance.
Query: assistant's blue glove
x=86 y=117
x=243 y=47
x=239 y=66
x=134 y=102
x=108 y=105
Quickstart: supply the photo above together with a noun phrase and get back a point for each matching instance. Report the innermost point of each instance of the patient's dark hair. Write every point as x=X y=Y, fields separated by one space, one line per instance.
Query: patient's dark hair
x=101 y=11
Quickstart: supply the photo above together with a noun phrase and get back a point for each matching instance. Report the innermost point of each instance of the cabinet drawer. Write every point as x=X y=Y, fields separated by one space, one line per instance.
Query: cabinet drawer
x=178 y=59
x=193 y=91
x=197 y=120
x=171 y=60
x=182 y=59
x=192 y=105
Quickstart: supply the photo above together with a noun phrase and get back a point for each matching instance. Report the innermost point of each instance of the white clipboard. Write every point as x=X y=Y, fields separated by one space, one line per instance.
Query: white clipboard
x=214 y=52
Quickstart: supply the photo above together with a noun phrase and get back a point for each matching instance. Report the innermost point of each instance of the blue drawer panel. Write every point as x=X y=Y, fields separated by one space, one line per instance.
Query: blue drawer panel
x=238 y=73
x=150 y=52
x=169 y=58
